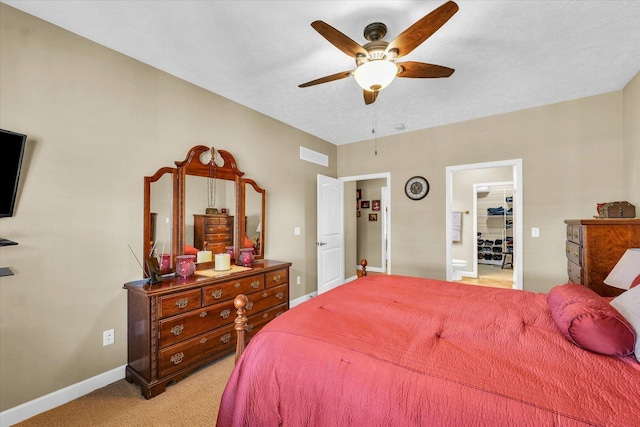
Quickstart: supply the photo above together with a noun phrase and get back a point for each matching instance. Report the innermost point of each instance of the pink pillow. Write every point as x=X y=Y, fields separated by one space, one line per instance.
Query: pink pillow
x=190 y=250
x=589 y=321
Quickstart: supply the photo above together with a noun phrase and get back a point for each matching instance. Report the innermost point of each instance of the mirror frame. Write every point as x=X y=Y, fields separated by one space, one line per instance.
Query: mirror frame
x=261 y=191
x=146 y=246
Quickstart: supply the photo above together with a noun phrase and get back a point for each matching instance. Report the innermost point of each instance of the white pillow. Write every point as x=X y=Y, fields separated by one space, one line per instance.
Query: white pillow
x=628 y=304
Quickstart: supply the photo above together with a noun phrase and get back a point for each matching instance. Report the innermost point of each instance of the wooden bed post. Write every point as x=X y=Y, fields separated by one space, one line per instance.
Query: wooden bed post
x=363 y=263
x=240 y=323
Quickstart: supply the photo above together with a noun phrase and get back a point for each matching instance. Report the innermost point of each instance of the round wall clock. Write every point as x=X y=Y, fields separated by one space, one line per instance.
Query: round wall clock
x=416 y=188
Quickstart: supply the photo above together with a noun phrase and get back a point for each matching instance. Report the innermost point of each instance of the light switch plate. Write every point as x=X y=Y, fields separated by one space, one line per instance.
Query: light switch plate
x=535 y=232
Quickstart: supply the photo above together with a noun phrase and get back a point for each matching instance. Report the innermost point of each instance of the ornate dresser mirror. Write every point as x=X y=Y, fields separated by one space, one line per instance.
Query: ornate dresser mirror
x=204 y=203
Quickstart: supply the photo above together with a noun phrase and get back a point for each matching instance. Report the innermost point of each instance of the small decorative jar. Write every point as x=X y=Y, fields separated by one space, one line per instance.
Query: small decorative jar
x=231 y=252
x=165 y=261
x=246 y=257
x=185 y=266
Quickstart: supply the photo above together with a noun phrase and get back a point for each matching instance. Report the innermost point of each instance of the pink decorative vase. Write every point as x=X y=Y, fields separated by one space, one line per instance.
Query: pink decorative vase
x=165 y=261
x=246 y=257
x=185 y=265
x=231 y=253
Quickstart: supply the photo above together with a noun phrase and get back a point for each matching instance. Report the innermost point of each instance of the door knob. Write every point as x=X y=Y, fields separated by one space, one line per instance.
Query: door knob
x=320 y=243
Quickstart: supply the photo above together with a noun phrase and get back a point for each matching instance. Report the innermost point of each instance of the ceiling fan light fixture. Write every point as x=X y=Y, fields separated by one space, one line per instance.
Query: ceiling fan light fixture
x=375 y=75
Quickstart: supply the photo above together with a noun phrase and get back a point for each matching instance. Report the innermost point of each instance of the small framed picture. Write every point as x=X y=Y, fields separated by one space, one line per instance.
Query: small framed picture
x=373 y=217
x=375 y=205
x=364 y=204
x=358 y=194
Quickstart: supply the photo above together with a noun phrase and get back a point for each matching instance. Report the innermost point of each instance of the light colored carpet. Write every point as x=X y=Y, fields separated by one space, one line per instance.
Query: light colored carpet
x=193 y=402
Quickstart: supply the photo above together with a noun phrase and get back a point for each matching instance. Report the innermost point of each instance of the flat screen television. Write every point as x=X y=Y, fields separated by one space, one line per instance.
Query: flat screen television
x=11 y=152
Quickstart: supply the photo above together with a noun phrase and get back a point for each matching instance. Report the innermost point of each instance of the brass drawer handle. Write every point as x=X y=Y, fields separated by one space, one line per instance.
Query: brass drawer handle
x=279 y=295
x=182 y=302
x=279 y=313
x=264 y=295
x=255 y=284
x=250 y=327
x=264 y=316
x=568 y=251
x=177 y=330
x=217 y=294
x=575 y=254
x=277 y=278
x=177 y=358
x=225 y=338
x=249 y=305
x=225 y=313
x=237 y=285
x=203 y=314
x=203 y=340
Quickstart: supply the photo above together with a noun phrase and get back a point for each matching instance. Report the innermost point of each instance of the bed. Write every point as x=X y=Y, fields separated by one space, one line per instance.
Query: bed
x=405 y=351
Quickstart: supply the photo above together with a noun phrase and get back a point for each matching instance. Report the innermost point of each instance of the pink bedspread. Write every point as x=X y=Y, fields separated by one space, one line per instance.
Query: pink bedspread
x=405 y=351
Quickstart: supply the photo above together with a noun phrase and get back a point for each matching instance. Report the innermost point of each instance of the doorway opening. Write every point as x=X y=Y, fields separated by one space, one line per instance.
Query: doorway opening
x=380 y=261
x=462 y=183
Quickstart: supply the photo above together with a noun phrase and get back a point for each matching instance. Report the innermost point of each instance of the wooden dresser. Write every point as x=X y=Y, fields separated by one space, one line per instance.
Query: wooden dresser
x=179 y=325
x=593 y=248
x=215 y=229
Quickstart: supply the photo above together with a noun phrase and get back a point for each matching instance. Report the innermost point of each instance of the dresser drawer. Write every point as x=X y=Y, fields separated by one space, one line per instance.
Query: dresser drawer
x=184 y=326
x=270 y=297
x=179 y=303
x=218 y=229
x=184 y=354
x=229 y=290
x=257 y=321
x=218 y=220
x=574 y=253
x=574 y=271
x=276 y=278
x=217 y=238
x=574 y=233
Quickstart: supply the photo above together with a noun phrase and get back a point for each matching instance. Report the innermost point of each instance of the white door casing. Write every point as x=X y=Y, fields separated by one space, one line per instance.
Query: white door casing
x=330 y=236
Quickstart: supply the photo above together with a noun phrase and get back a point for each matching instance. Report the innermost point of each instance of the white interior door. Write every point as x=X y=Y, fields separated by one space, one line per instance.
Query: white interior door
x=330 y=242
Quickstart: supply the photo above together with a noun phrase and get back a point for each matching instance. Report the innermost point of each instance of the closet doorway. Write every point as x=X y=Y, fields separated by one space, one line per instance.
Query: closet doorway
x=462 y=182
x=493 y=227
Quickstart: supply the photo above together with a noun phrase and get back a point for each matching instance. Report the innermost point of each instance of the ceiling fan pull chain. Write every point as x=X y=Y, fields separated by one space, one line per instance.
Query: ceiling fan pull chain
x=373 y=131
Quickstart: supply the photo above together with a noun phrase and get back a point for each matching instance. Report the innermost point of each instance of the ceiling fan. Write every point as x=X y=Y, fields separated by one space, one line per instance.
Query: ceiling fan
x=376 y=66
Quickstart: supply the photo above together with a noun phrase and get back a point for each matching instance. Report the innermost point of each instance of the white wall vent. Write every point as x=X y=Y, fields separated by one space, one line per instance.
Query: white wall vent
x=314 y=157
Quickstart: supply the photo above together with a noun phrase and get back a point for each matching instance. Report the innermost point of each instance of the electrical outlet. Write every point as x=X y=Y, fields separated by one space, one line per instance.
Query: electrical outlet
x=296 y=231
x=298 y=280
x=535 y=232
x=108 y=337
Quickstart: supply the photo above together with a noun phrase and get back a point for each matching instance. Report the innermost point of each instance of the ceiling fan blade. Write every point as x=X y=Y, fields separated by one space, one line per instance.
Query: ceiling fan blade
x=413 y=36
x=326 y=79
x=338 y=39
x=370 y=96
x=421 y=70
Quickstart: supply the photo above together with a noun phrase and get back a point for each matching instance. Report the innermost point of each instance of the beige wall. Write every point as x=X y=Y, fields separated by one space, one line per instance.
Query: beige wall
x=572 y=159
x=98 y=122
x=631 y=150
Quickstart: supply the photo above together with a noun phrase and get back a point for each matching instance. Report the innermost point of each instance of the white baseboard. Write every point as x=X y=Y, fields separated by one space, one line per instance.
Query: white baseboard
x=302 y=299
x=60 y=397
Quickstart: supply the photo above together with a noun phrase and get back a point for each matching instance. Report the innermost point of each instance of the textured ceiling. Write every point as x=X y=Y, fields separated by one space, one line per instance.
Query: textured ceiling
x=508 y=55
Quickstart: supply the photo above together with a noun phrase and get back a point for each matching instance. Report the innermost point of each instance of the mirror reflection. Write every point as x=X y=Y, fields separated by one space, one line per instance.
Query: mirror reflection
x=161 y=197
x=210 y=214
x=254 y=226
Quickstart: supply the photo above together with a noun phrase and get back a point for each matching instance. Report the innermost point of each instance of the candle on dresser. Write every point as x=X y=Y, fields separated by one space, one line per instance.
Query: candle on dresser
x=203 y=256
x=223 y=262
